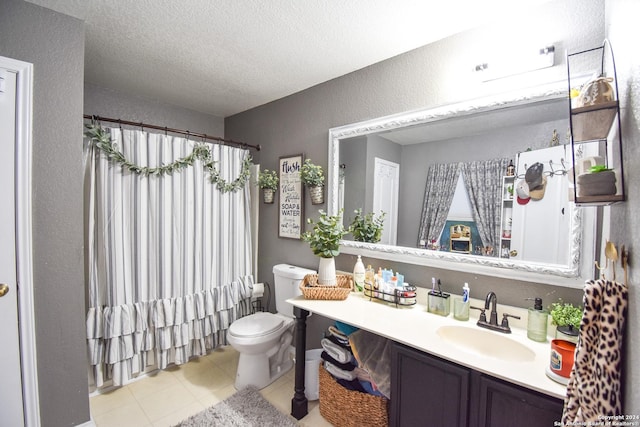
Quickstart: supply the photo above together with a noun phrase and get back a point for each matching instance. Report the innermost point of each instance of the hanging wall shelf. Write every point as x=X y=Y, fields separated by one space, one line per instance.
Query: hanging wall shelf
x=596 y=135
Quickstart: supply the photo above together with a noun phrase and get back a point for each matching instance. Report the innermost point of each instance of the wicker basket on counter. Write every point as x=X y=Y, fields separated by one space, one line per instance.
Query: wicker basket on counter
x=312 y=290
x=350 y=408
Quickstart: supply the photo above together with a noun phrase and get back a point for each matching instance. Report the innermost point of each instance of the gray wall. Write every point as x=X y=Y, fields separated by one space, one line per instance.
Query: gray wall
x=623 y=30
x=54 y=43
x=422 y=78
x=104 y=102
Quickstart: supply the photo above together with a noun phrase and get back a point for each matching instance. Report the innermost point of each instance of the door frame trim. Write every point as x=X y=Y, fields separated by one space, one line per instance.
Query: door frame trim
x=24 y=238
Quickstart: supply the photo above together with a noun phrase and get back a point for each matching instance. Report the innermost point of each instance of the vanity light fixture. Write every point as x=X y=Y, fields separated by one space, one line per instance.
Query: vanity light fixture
x=518 y=63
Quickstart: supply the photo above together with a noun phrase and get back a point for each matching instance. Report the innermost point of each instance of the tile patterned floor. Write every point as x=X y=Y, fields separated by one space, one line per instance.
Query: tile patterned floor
x=168 y=397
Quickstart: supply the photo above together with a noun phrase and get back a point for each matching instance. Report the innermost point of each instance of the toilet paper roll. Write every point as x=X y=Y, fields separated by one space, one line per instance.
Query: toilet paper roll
x=258 y=290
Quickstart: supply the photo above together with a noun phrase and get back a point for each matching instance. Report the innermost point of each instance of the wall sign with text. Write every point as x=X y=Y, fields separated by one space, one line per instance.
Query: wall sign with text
x=291 y=197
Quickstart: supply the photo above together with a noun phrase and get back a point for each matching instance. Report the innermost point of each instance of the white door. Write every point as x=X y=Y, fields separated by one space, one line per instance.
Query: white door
x=11 y=390
x=386 y=185
x=19 y=405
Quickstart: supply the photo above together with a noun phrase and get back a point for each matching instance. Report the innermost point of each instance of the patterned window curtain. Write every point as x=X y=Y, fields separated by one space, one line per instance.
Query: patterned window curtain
x=168 y=257
x=483 y=181
x=438 y=194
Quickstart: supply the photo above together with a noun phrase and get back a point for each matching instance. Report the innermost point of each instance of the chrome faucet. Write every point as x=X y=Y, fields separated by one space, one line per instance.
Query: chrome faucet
x=491 y=302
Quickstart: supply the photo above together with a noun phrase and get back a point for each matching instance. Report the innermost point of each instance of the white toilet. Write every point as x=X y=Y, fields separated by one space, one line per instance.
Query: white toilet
x=264 y=339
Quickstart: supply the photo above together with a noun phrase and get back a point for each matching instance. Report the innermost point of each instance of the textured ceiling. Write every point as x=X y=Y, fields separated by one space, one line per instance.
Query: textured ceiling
x=223 y=57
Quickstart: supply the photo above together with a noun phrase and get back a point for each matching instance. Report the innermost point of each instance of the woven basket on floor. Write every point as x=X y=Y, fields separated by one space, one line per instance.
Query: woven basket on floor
x=312 y=290
x=350 y=408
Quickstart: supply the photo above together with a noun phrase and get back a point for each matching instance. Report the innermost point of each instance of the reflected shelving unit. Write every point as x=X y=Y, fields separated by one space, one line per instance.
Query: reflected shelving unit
x=506 y=215
x=595 y=126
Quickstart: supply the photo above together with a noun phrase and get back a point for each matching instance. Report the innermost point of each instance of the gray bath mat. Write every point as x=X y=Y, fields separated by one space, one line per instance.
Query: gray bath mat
x=246 y=408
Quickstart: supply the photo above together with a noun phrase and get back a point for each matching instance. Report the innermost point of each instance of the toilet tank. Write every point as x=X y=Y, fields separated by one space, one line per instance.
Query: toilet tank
x=287 y=281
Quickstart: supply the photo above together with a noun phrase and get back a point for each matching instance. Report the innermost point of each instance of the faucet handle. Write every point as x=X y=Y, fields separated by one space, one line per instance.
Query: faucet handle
x=505 y=320
x=483 y=316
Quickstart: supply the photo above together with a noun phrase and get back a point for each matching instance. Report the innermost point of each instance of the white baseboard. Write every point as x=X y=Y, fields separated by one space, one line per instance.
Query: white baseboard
x=89 y=423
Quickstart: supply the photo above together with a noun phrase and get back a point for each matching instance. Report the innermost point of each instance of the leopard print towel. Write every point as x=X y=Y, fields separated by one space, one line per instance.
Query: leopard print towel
x=595 y=381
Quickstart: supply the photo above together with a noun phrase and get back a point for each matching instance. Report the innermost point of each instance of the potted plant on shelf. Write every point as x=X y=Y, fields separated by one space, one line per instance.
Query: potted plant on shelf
x=324 y=241
x=313 y=177
x=367 y=228
x=566 y=317
x=268 y=181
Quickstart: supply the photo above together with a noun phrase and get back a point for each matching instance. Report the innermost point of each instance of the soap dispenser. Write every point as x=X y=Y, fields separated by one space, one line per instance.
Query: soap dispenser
x=537 y=321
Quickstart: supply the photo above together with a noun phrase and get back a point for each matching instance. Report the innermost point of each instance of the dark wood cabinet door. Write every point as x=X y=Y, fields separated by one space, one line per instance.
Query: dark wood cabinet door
x=503 y=404
x=427 y=391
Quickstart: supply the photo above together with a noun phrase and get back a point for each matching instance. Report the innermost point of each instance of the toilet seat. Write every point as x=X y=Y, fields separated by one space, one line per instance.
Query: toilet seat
x=256 y=325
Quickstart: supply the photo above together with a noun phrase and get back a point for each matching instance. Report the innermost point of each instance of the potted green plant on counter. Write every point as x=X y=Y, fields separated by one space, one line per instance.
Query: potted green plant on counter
x=268 y=181
x=367 y=228
x=313 y=177
x=566 y=317
x=324 y=240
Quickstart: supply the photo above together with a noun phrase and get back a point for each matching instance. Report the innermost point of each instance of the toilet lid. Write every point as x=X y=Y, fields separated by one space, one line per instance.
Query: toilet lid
x=256 y=325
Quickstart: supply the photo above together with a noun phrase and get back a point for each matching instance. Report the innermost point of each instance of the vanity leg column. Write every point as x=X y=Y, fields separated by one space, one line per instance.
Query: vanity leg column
x=299 y=402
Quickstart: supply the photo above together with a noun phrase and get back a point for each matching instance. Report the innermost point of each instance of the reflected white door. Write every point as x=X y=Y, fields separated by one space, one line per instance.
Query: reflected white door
x=11 y=405
x=540 y=227
x=386 y=185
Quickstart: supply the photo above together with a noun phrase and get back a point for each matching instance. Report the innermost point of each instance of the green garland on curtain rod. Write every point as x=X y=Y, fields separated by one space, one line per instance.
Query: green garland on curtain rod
x=101 y=139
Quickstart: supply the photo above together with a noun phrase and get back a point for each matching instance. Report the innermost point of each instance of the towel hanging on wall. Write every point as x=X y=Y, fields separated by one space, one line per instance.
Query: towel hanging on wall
x=594 y=388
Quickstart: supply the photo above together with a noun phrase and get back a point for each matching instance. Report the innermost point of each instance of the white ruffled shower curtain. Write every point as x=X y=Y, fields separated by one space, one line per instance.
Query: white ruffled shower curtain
x=168 y=257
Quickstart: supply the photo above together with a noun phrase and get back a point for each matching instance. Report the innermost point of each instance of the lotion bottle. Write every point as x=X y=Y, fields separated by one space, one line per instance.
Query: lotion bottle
x=358 y=275
x=537 y=321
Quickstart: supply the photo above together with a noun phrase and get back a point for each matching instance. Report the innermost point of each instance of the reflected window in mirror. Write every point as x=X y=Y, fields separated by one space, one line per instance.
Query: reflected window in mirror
x=473 y=190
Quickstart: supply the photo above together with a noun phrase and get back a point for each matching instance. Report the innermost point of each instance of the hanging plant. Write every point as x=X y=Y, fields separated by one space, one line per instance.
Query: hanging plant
x=268 y=179
x=101 y=139
x=312 y=175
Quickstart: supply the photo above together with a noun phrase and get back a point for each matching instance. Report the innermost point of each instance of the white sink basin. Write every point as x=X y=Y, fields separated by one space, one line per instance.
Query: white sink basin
x=486 y=343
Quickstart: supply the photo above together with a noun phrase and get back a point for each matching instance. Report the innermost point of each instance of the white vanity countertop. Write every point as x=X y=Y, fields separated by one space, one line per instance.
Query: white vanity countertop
x=417 y=328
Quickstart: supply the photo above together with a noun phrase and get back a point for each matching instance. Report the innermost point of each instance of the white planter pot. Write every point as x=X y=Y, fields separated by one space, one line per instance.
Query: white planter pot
x=327 y=272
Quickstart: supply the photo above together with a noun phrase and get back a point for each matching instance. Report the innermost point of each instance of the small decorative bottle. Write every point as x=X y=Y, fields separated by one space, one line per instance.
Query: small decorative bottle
x=369 y=280
x=369 y=276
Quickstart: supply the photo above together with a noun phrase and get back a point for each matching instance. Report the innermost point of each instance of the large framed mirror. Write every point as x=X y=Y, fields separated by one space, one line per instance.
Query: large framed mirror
x=384 y=164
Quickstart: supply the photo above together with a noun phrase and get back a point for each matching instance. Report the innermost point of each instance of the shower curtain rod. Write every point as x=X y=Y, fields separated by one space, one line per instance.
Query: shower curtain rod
x=178 y=131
